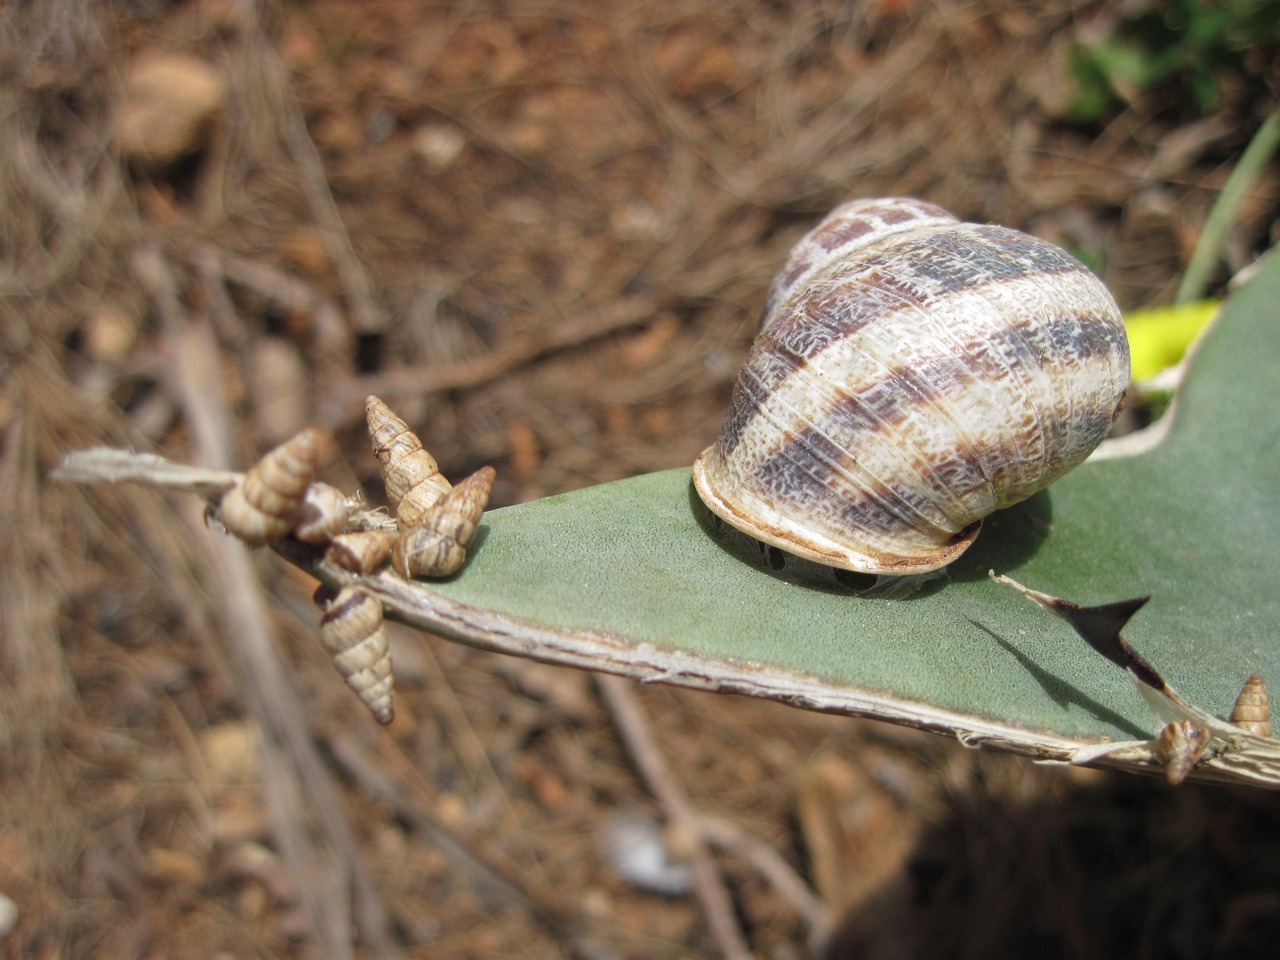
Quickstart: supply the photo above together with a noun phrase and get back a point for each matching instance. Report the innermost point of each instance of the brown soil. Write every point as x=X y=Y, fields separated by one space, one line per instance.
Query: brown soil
x=543 y=232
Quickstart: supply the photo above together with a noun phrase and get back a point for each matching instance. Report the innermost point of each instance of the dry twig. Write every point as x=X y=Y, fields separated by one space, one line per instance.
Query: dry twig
x=272 y=699
x=637 y=736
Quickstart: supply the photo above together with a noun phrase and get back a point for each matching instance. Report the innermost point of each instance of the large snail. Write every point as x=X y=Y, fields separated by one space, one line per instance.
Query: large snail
x=912 y=375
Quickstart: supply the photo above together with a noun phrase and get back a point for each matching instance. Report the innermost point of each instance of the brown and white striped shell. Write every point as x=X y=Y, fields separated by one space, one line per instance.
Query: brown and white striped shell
x=912 y=375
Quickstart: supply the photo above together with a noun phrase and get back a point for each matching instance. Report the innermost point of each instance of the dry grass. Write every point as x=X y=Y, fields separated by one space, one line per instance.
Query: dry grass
x=545 y=231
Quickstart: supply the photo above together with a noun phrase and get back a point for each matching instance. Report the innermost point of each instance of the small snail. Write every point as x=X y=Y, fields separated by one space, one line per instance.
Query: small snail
x=324 y=515
x=411 y=475
x=912 y=375
x=268 y=502
x=353 y=633
x=1252 y=710
x=1180 y=745
x=361 y=551
x=437 y=545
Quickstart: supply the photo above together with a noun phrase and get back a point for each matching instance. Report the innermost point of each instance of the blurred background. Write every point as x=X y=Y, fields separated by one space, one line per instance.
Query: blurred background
x=543 y=232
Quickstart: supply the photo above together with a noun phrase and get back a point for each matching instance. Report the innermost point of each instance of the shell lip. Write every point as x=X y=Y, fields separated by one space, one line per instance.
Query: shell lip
x=840 y=555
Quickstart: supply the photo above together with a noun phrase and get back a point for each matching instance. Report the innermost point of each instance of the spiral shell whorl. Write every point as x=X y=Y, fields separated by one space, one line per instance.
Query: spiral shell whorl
x=1252 y=710
x=437 y=545
x=268 y=502
x=898 y=394
x=353 y=632
x=411 y=475
x=842 y=232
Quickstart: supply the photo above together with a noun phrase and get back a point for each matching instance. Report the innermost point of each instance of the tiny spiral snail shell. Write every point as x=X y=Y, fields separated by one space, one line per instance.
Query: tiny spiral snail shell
x=353 y=633
x=1252 y=710
x=912 y=374
x=324 y=514
x=411 y=475
x=268 y=502
x=437 y=545
x=361 y=551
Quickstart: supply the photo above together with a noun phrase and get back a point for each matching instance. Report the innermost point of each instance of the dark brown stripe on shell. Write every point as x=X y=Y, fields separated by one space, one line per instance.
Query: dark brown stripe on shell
x=800 y=475
x=911 y=272
x=844 y=226
x=839 y=231
x=891 y=398
x=357 y=599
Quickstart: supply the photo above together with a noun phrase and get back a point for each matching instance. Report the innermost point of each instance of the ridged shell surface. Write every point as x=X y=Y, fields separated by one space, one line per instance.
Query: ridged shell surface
x=912 y=375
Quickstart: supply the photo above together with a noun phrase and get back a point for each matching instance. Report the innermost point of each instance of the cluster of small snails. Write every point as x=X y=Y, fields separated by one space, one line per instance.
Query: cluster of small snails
x=1181 y=744
x=912 y=374
x=434 y=526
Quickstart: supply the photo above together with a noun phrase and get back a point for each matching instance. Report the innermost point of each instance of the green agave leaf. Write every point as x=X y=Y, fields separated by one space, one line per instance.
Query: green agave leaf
x=632 y=577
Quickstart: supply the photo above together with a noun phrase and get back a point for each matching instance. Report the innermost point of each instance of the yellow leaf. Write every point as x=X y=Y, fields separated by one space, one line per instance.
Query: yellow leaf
x=1160 y=336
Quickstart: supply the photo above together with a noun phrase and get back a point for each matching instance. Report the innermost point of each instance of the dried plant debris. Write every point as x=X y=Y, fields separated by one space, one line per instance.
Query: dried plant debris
x=1190 y=737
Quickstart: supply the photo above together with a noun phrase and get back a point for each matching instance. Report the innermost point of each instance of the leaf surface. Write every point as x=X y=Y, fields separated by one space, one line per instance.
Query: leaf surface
x=633 y=577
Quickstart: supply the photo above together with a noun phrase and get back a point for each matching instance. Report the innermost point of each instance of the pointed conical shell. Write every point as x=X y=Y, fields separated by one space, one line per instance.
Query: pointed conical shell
x=361 y=551
x=1252 y=710
x=268 y=502
x=928 y=374
x=409 y=472
x=437 y=545
x=353 y=632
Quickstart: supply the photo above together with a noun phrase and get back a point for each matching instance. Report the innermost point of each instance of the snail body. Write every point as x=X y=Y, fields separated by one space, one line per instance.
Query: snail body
x=912 y=374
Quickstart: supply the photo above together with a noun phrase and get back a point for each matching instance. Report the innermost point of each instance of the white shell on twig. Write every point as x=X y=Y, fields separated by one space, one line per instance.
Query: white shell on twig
x=411 y=475
x=1252 y=710
x=353 y=632
x=362 y=551
x=324 y=514
x=912 y=375
x=437 y=545
x=267 y=503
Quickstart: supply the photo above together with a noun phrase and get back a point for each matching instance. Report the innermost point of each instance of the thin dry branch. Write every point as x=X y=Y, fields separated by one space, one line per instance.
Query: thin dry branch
x=395 y=782
x=366 y=315
x=573 y=332
x=637 y=736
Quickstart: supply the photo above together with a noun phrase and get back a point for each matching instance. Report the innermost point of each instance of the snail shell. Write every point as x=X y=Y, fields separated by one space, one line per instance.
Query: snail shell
x=268 y=502
x=1180 y=746
x=411 y=475
x=361 y=551
x=353 y=633
x=912 y=375
x=437 y=545
x=324 y=514
x=1252 y=710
